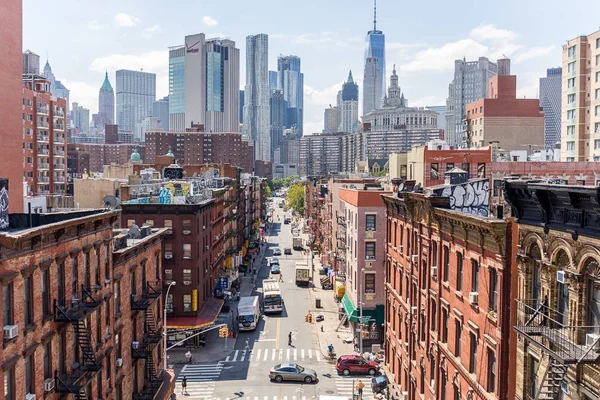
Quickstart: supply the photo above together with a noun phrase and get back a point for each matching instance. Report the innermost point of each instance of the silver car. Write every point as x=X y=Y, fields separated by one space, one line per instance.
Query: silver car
x=292 y=372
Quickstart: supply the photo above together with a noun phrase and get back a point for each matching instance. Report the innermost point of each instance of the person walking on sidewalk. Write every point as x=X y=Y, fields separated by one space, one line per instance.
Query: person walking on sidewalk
x=359 y=388
x=280 y=277
x=290 y=339
x=184 y=385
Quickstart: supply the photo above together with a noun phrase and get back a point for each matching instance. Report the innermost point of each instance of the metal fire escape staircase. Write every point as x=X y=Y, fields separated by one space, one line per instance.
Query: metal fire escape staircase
x=563 y=346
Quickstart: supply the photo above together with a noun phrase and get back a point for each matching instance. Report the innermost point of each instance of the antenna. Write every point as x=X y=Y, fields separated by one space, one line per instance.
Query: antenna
x=111 y=202
x=134 y=232
x=374 y=15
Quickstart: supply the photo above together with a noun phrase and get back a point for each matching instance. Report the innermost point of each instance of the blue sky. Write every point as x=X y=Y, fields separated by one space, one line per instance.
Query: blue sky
x=423 y=39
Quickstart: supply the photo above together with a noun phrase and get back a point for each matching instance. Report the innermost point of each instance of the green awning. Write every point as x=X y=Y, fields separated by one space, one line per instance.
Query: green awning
x=373 y=314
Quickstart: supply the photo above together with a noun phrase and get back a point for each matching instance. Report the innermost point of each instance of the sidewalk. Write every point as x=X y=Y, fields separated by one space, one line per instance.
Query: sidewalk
x=215 y=348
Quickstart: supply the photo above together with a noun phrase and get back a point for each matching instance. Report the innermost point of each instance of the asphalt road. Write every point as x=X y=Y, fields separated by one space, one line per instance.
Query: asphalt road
x=244 y=373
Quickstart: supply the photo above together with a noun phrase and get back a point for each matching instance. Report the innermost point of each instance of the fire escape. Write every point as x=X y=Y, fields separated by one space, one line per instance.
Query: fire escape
x=152 y=336
x=563 y=345
x=76 y=311
x=340 y=236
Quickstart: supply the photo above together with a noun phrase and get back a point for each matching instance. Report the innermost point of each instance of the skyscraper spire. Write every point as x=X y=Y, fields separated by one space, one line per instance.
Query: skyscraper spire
x=374 y=15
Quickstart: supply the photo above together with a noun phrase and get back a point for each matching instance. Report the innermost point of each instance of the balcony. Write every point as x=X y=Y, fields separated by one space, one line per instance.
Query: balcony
x=43 y=151
x=42 y=124
x=43 y=110
x=43 y=166
x=539 y=324
x=76 y=308
x=59 y=153
x=59 y=127
x=59 y=139
x=58 y=112
x=43 y=138
x=59 y=179
x=572 y=89
x=150 y=293
x=43 y=180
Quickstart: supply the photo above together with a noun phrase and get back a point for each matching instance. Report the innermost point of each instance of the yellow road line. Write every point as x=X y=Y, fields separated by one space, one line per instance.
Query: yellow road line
x=277 y=333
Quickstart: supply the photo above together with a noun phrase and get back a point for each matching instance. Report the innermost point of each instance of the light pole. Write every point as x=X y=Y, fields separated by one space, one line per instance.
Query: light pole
x=360 y=316
x=165 y=326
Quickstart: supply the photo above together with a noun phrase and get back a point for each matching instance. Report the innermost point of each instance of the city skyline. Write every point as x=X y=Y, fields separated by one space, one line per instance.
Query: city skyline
x=328 y=46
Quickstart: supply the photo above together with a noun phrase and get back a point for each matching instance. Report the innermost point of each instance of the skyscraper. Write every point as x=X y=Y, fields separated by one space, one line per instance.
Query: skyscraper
x=106 y=103
x=81 y=118
x=56 y=87
x=277 y=112
x=160 y=110
x=376 y=48
x=31 y=62
x=222 y=86
x=256 y=96
x=195 y=80
x=241 y=107
x=331 y=119
x=291 y=81
x=550 y=101
x=371 y=85
x=136 y=90
x=272 y=80
x=177 y=89
x=349 y=107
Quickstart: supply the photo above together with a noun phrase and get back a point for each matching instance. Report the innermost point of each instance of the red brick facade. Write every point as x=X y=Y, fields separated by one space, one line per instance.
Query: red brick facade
x=99 y=155
x=436 y=260
x=437 y=162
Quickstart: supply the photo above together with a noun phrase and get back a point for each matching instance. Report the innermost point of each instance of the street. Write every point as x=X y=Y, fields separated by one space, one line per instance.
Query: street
x=243 y=374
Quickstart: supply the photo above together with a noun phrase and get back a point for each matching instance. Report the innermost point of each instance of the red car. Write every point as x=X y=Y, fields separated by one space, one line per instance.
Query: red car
x=347 y=365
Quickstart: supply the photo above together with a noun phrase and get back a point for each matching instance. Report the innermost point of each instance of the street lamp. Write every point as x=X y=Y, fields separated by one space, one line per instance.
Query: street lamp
x=165 y=326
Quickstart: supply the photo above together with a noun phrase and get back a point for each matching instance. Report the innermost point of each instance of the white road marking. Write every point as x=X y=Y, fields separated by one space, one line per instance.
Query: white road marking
x=258 y=354
x=295 y=354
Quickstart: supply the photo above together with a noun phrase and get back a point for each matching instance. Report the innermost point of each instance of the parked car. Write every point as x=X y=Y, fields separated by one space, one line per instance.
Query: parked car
x=273 y=260
x=275 y=269
x=287 y=221
x=378 y=383
x=347 y=365
x=287 y=251
x=292 y=372
x=277 y=252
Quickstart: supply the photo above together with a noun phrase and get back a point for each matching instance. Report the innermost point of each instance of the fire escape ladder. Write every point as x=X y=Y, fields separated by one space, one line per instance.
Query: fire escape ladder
x=550 y=385
x=151 y=372
x=151 y=328
x=83 y=339
x=81 y=395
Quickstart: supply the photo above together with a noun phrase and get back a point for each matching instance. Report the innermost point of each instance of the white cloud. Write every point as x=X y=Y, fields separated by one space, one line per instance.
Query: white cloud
x=488 y=32
x=126 y=20
x=442 y=58
x=311 y=127
x=209 y=21
x=322 y=97
x=83 y=93
x=535 y=52
x=151 y=30
x=427 y=101
x=319 y=38
x=94 y=25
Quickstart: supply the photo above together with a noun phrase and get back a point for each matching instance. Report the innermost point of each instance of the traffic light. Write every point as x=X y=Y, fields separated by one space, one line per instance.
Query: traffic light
x=306 y=317
x=223 y=332
x=310 y=318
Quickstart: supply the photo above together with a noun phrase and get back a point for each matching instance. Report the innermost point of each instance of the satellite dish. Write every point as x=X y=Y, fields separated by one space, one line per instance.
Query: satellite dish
x=401 y=187
x=134 y=232
x=111 y=202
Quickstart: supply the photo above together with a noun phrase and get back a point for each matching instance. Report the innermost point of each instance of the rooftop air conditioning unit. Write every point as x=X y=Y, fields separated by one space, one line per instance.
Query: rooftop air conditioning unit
x=48 y=385
x=434 y=271
x=561 y=276
x=30 y=396
x=413 y=310
x=11 y=331
x=473 y=297
x=415 y=258
x=119 y=362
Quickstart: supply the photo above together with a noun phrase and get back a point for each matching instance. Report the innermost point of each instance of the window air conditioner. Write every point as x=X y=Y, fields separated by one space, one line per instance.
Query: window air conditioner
x=119 y=362
x=134 y=297
x=591 y=338
x=186 y=232
x=473 y=297
x=561 y=276
x=48 y=385
x=11 y=331
x=415 y=258
x=30 y=396
x=135 y=345
x=434 y=271
x=168 y=255
x=413 y=310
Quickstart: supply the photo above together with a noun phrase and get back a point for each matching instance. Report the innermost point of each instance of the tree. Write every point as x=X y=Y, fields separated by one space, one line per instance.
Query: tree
x=295 y=197
x=267 y=191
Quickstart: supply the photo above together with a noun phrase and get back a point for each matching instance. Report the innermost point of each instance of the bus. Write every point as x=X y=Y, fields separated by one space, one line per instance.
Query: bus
x=248 y=313
x=272 y=300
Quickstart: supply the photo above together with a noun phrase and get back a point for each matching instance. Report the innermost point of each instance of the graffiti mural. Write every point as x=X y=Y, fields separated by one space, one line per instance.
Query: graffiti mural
x=3 y=203
x=469 y=197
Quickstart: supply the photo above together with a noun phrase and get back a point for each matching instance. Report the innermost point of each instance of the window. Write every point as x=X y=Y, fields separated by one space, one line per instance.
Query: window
x=7 y=304
x=598 y=43
x=597 y=77
x=446 y=254
x=449 y=166
x=108 y=372
x=570 y=114
x=597 y=111
x=187 y=251
x=106 y=262
x=74 y=277
x=150 y=222
x=369 y=283
x=474 y=276
x=118 y=297
x=119 y=395
x=571 y=98
x=457 y=338
x=119 y=351
x=133 y=283
x=433 y=314
x=168 y=276
x=130 y=223
x=571 y=130
x=434 y=172
x=491 y=371
x=596 y=144
x=187 y=302
x=29 y=374
x=459 y=271
x=597 y=96
x=403 y=172
x=572 y=51
x=456 y=392
x=45 y=292
x=570 y=146
x=571 y=67
x=60 y=272
x=97 y=270
x=9 y=384
x=370 y=250
x=467 y=168
x=187 y=276
x=472 y=353
x=481 y=170
x=99 y=385
x=168 y=250
x=186 y=226
x=445 y=319
x=371 y=222
x=48 y=359
x=28 y=297
x=169 y=226
x=571 y=82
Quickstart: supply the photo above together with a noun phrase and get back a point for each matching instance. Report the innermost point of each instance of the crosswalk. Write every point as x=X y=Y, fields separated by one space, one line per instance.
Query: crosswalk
x=268 y=398
x=200 y=379
x=278 y=355
x=345 y=385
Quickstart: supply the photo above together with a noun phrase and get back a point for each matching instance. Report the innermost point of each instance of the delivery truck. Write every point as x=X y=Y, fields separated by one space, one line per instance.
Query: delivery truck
x=248 y=313
x=302 y=274
x=297 y=243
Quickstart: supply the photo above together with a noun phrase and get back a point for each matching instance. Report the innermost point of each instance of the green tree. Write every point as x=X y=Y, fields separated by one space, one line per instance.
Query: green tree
x=295 y=197
x=268 y=191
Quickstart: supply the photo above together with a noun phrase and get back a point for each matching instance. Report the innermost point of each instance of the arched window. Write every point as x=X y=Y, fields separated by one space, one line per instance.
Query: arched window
x=536 y=275
x=562 y=289
x=592 y=298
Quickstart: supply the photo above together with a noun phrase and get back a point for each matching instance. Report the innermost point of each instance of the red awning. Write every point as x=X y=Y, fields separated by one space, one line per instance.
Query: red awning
x=205 y=317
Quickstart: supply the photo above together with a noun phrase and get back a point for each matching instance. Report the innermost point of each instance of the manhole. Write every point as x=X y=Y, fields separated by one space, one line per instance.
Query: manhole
x=329 y=392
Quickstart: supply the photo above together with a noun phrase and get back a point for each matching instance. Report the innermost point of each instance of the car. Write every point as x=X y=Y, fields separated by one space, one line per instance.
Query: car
x=378 y=383
x=287 y=251
x=276 y=252
x=292 y=372
x=273 y=260
x=287 y=221
x=347 y=365
x=275 y=269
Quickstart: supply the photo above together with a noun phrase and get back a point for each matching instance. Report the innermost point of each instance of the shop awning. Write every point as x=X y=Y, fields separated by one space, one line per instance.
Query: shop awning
x=373 y=314
x=204 y=318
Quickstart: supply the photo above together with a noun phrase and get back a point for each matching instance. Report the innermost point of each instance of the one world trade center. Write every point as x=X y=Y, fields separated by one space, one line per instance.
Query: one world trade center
x=376 y=48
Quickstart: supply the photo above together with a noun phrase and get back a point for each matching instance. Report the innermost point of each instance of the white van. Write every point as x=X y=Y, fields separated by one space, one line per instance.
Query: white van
x=248 y=313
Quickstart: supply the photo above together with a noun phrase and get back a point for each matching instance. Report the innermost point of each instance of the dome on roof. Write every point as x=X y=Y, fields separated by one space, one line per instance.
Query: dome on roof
x=135 y=156
x=170 y=153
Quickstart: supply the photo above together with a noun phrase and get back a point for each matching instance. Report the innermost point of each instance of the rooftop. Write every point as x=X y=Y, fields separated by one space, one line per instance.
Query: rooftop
x=22 y=223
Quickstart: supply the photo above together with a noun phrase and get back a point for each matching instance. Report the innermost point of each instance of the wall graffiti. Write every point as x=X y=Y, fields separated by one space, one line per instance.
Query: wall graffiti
x=3 y=203
x=469 y=197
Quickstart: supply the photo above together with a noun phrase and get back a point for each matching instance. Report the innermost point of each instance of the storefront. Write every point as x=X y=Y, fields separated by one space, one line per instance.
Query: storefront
x=372 y=318
x=179 y=328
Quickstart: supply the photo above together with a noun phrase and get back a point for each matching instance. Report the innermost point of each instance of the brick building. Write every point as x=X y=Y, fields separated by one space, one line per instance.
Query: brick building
x=516 y=124
x=44 y=138
x=70 y=321
x=11 y=130
x=558 y=264
x=449 y=286
x=195 y=147
x=95 y=156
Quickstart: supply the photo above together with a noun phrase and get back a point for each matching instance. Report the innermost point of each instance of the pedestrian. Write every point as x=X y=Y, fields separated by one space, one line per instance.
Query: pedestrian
x=359 y=388
x=290 y=339
x=184 y=385
x=280 y=277
x=247 y=344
